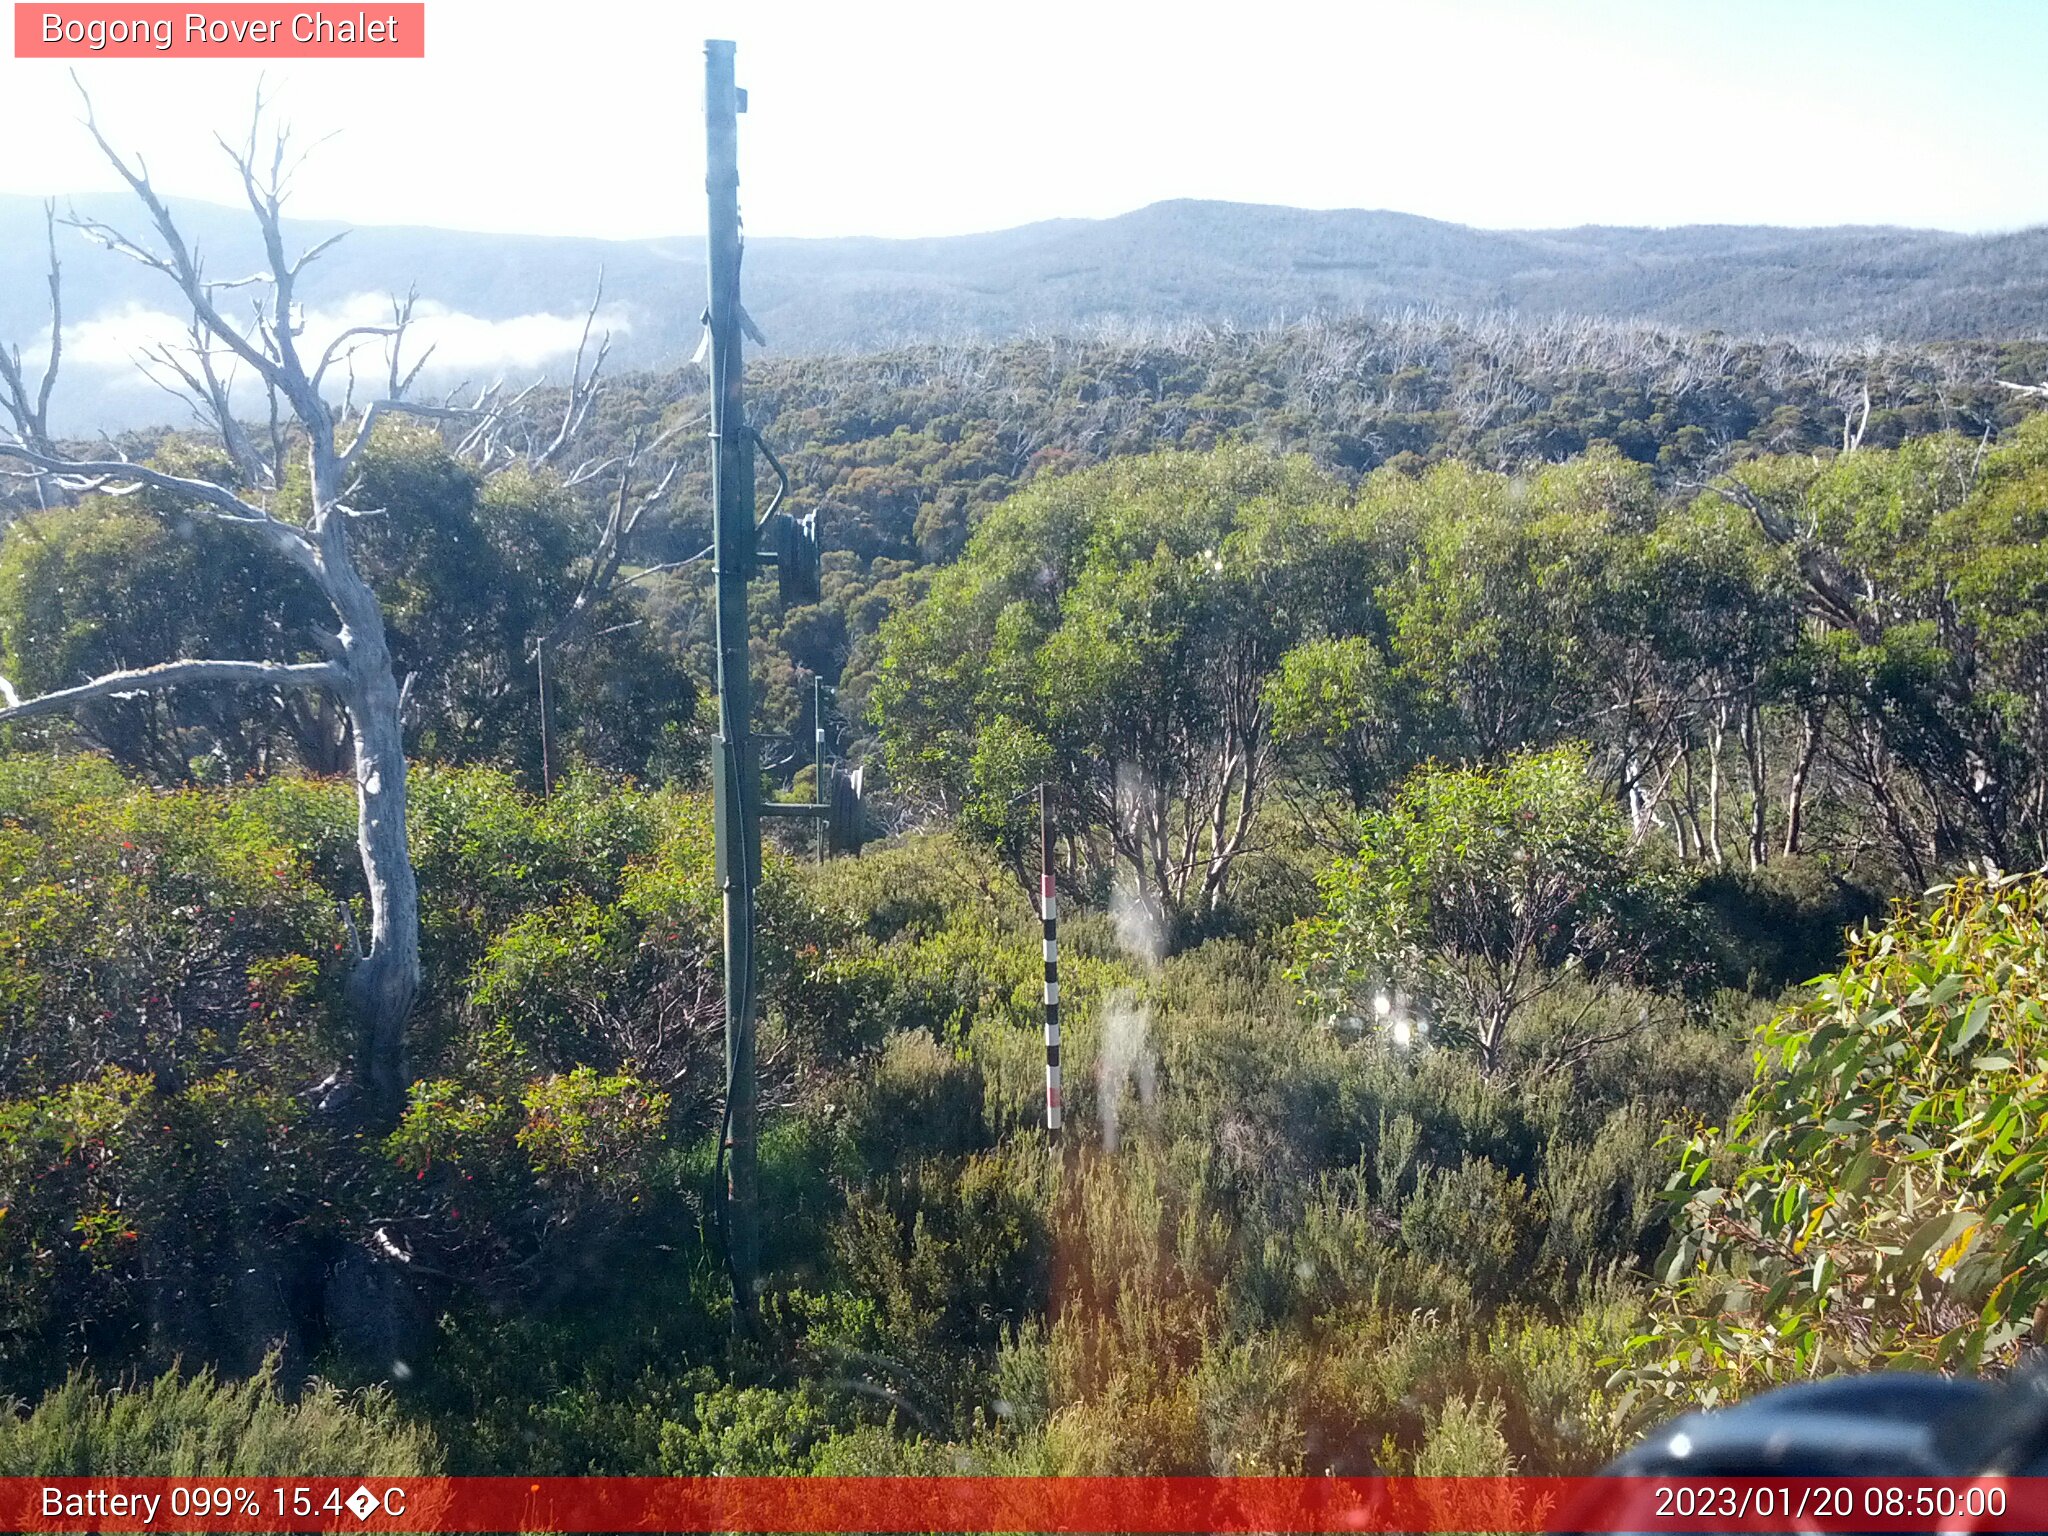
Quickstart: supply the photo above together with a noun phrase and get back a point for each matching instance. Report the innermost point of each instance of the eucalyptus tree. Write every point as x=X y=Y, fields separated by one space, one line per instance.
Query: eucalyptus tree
x=1498 y=595
x=1347 y=718
x=1114 y=632
x=1478 y=892
x=1720 y=617
x=101 y=586
x=1921 y=571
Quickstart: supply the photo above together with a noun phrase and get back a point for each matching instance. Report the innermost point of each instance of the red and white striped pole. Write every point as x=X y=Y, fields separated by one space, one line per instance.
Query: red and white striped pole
x=1049 y=911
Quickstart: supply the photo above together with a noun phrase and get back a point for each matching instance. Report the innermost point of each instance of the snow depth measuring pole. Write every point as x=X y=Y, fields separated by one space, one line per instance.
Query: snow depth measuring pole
x=1049 y=916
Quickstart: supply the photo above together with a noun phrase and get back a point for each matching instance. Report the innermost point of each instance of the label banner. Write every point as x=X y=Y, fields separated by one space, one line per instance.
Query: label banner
x=221 y=31
x=1150 y=1505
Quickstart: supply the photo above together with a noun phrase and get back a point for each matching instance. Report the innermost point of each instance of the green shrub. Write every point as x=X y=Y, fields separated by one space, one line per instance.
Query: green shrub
x=171 y=965
x=196 y=1425
x=1877 y=1198
x=799 y=1431
x=917 y=1097
x=1465 y=1440
x=1471 y=897
x=1252 y=1395
x=156 y=932
x=933 y=934
x=1475 y=1217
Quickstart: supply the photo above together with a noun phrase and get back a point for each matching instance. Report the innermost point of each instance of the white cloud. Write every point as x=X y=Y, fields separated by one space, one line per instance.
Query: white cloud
x=464 y=343
x=113 y=340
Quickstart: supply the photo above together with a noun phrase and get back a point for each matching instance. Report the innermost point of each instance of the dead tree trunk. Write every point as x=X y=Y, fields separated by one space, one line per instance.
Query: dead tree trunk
x=1715 y=739
x=1802 y=768
x=387 y=973
x=357 y=668
x=1759 y=775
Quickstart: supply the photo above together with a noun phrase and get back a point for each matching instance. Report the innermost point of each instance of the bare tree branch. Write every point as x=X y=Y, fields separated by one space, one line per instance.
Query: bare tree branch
x=333 y=350
x=181 y=265
x=1853 y=439
x=667 y=566
x=31 y=418
x=170 y=674
x=119 y=477
x=583 y=391
x=628 y=508
x=211 y=399
x=318 y=248
x=401 y=322
x=377 y=409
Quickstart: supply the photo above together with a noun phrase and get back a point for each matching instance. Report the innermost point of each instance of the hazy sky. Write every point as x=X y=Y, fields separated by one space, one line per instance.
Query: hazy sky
x=885 y=118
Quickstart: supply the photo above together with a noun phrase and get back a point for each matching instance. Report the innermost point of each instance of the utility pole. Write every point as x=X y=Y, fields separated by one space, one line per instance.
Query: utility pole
x=736 y=772
x=736 y=554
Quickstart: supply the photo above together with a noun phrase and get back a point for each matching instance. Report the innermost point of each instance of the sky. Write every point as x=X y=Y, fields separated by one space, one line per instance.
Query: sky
x=912 y=118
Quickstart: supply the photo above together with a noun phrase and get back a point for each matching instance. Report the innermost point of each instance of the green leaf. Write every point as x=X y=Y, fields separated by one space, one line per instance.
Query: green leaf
x=1934 y=1235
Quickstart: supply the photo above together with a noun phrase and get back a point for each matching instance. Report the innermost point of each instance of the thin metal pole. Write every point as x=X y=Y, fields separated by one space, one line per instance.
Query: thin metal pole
x=737 y=786
x=547 y=723
x=1049 y=914
x=818 y=786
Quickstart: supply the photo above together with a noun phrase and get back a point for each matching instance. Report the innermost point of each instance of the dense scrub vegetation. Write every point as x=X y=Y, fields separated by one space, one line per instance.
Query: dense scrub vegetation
x=1283 y=1203
x=1454 y=830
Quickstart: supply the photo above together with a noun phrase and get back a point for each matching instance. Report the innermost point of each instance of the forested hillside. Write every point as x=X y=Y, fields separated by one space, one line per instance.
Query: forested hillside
x=1174 y=263
x=904 y=452
x=1465 y=744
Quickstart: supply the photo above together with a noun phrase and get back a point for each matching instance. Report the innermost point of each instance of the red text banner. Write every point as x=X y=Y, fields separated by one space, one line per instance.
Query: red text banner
x=1150 y=1505
x=223 y=31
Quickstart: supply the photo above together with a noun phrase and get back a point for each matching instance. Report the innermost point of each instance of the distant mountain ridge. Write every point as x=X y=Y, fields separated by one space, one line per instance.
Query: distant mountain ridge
x=1170 y=262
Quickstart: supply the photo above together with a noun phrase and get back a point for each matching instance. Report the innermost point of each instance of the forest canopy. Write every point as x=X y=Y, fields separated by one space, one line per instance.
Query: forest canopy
x=1494 y=774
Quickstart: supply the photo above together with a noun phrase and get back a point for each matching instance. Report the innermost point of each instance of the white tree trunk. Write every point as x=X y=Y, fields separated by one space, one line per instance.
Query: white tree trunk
x=387 y=975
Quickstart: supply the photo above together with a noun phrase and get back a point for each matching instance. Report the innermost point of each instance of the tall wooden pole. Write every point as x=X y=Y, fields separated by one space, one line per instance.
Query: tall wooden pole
x=736 y=771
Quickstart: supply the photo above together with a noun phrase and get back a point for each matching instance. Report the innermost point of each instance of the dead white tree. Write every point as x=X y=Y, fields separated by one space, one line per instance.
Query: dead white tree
x=496 y=431
x=528 y=430
x=626 y=509
x=28 y=410
x=355 y=662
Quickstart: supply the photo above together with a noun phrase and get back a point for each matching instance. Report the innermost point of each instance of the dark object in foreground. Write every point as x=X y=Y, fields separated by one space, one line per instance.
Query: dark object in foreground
x=1890 y=1425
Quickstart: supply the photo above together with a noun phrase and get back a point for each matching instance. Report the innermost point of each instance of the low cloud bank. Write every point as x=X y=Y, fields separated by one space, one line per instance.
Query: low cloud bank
x=107 y=367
